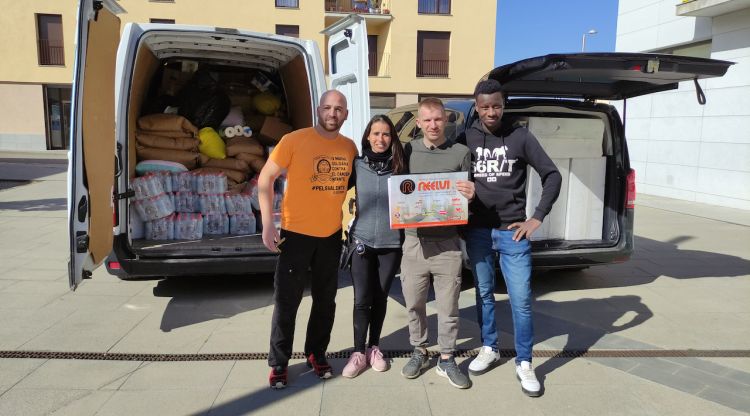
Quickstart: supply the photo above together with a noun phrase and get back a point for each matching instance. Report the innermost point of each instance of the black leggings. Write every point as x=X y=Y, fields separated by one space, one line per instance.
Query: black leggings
x=372 y=275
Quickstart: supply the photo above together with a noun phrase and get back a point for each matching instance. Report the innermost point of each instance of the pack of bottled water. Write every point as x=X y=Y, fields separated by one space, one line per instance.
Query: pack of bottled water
x=154 y=207
x=212 y=204
x=147 y=186
x=188 y=226
x=238 y=203
x=242 y=224
x=183 y=182
x=215 y=224
x=186 y=202
x=160 y=228
x=210 y=183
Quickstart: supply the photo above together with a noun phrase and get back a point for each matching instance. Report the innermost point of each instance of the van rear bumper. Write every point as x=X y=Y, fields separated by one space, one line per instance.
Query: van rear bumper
x=133 y=267
x=584 y=257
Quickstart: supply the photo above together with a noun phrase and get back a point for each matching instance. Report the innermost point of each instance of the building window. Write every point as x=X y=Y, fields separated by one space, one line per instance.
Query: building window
x=434 y=6
x=372 y=55
x=167 y=21
x=433 y=51
x=292 y=4
x=288 y=30
x=49 y=36
x=57 y=117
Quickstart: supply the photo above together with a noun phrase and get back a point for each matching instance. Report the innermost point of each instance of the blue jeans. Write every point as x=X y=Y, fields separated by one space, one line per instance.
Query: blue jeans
x=515 y=263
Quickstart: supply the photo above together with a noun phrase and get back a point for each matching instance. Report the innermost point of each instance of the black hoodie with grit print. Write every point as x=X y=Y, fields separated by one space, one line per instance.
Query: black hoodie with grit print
x=499 y=171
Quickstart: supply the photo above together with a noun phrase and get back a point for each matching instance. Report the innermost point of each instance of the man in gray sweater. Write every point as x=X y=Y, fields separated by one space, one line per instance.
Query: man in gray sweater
x=434 y=251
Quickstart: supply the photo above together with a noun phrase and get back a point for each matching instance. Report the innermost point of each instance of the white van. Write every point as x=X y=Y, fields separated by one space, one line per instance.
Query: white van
x=110 y=89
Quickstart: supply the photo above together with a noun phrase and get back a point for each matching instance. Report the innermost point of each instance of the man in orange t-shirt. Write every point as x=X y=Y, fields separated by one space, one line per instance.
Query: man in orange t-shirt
x=318 y=162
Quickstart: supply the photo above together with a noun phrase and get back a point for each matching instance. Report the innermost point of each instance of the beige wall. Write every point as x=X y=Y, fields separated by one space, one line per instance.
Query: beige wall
x=18 y=46
x=397 y=39
x=472 y=47
x=22 y=108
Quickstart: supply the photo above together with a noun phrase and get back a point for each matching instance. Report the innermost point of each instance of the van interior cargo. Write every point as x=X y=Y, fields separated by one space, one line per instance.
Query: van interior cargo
x=216 y=104
x=581 y=146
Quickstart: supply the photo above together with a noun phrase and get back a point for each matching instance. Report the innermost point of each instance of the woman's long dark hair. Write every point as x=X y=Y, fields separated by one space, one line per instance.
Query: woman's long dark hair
x=397 y=150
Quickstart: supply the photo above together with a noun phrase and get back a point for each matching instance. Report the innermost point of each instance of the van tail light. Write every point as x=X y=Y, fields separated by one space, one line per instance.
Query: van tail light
x=114 y=265
x=630 y=201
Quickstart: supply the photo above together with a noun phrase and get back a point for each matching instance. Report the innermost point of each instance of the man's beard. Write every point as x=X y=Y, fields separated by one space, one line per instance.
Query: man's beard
x=325 y=127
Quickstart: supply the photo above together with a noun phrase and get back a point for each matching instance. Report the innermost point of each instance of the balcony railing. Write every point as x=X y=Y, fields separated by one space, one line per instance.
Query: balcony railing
x=428 y=66
x=355 y=6
x=380 y=66
x=51 y=52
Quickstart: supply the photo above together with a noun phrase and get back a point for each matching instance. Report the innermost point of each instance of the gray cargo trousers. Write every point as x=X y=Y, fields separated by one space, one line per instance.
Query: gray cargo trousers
x=442 y=260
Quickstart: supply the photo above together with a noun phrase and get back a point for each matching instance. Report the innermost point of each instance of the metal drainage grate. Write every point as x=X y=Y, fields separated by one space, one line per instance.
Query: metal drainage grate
x=507 y=353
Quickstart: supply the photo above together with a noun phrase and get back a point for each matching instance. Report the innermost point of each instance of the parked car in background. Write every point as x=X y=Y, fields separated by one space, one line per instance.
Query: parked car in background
x=563 y=101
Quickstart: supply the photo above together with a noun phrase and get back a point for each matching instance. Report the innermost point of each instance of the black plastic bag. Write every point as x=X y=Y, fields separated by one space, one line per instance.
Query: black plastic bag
x=203 y=102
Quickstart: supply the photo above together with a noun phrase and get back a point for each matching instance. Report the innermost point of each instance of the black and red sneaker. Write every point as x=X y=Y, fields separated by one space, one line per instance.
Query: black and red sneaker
x=278 y=377
x=319 y=365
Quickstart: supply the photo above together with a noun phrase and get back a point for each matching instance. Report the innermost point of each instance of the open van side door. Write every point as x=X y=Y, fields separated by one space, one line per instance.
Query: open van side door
x=347 y=71
x=91 y=165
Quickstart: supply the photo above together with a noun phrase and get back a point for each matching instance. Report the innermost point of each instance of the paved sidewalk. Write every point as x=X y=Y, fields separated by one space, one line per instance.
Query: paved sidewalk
x=686 y=288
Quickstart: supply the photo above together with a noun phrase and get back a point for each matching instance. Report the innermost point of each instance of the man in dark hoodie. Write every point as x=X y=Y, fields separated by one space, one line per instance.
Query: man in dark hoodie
x=500 y=154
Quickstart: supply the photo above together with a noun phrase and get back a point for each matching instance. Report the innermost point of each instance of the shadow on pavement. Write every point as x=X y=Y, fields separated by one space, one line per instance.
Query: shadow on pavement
x=51 y=204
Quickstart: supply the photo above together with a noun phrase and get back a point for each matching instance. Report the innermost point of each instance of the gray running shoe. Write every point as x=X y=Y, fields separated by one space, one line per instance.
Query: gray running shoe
x=418 y=362
x=449 y=369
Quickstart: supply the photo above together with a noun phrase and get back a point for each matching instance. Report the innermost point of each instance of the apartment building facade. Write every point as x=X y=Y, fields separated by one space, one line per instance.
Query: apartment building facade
x=681 y=149
x=417 y=48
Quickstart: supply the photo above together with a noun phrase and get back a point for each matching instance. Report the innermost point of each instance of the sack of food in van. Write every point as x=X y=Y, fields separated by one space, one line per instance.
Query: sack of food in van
x=228 y=163
x=185 y=202
x=202 y=101
x=211 y=144
x=147 y=186
x=171 y=124
x=256 y=162
x=160 y=229
x=154 y=207
x=214 y=224
x=249 y=145
x=167 y=142
x=209 y=182
x=238 y=203
x=212 y=203
x=242 y=224
x=232 y=174
x=187 y=158
x=183 y=182
x=188 y=226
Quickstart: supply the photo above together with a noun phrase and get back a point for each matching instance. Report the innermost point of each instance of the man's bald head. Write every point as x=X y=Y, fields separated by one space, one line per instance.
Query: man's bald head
x=332 y=111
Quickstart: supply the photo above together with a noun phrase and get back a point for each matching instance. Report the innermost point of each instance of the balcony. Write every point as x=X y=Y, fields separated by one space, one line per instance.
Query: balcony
x=710 y=8
x=51 y=52
x=376 y=13
x=432 y=66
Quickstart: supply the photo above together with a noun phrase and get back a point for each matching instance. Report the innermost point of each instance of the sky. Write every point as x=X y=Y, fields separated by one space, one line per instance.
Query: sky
x=529 y=28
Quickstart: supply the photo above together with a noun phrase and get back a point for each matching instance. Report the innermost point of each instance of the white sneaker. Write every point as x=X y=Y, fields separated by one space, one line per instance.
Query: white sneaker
x=529 y=384
x=484 y=360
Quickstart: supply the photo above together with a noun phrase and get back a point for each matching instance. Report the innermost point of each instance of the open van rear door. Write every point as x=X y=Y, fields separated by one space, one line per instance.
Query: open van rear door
x=91 y=165
x=347 y=71
x=603 y=76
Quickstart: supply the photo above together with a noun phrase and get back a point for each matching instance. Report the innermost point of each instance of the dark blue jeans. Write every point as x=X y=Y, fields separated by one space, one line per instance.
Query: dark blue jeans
x=515 y=263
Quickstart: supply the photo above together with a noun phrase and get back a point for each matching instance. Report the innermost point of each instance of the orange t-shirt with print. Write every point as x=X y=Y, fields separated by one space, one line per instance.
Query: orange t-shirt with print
x=318 y=171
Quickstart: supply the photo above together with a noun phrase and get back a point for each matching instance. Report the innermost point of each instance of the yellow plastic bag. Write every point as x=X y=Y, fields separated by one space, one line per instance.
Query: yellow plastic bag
x=211 y=144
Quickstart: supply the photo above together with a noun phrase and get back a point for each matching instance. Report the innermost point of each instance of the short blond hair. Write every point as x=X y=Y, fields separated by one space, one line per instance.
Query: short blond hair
x=432 y=102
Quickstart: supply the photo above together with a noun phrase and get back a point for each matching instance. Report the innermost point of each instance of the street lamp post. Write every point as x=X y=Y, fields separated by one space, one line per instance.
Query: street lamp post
x=583 y=39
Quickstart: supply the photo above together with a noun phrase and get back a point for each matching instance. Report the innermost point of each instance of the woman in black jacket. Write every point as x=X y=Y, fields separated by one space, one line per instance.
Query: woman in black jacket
x=376 y=248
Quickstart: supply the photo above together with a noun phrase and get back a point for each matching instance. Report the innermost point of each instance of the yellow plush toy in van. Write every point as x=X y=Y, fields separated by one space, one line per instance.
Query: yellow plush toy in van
x=211 y=144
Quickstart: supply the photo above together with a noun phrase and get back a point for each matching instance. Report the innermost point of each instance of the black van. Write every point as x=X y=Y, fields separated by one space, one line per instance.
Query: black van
x=563 y=100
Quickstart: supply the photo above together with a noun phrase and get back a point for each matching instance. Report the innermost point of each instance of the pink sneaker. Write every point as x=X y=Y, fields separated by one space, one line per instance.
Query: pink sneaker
x=375 y=359
x=356 y=364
